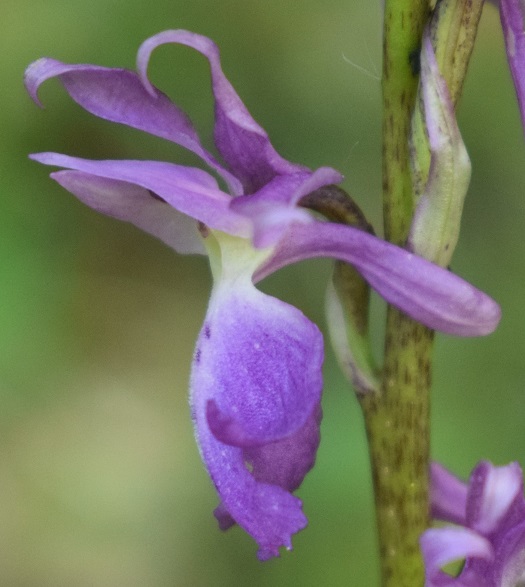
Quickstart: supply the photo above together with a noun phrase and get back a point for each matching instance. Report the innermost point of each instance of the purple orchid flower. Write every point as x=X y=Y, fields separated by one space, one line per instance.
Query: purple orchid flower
x=490 y=512
x=256 y=375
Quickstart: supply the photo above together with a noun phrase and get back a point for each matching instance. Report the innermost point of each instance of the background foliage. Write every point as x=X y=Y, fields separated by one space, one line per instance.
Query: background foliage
x=100 y=479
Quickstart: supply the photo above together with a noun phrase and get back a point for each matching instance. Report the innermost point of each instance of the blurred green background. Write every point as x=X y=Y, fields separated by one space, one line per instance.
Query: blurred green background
x=100 y=479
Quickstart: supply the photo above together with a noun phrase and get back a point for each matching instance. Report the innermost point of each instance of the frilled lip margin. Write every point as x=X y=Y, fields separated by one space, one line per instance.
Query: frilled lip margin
x=256 y=377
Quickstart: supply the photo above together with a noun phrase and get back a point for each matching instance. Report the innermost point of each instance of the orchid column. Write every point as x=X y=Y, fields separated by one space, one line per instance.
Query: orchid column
x=397 y=414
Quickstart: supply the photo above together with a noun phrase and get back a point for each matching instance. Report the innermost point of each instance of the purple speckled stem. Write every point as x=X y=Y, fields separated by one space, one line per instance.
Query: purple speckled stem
x=397 y=418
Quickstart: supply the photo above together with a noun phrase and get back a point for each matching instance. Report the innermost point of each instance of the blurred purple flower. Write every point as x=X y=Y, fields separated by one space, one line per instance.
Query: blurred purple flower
x=512 y=14
x=256 y=375
x=490 y=536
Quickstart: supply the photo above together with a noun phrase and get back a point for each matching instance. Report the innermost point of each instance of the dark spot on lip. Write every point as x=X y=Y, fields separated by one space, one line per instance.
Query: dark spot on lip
x=207 y=331
x=203 y=229
x=197 y=356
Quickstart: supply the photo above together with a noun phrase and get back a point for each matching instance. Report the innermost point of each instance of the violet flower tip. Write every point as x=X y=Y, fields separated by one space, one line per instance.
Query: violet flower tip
x=31 y=83
x=493 y=319
x=38 y=157
x=143 y=57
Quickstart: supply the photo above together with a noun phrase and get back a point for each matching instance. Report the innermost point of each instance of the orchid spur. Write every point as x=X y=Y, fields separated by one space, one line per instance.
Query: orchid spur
x=256 y=374
x=490 y=536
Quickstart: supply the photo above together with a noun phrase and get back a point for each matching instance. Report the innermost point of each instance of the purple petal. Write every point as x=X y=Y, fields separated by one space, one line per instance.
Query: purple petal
x=273 y=208
x=512 y=20
x=118 y=95
x=188 y=190
x=284 y=463
x=265 y=359
x=258 y=362
x=448 y=495
x=492 y=492
x=432 y=295
x=510 y=557
x=441 y=546
x=134 y=204
x=242 y=143
x=495 y=513
x=270 y=514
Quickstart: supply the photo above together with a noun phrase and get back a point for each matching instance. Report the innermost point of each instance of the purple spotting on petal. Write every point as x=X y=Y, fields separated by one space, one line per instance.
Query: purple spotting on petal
x=265 y=359
x=255 y=395
x=491 y=538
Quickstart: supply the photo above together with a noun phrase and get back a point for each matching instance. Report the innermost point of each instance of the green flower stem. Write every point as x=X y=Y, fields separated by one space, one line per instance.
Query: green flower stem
x=403 y=30
x=397 y=424
x=397 y=418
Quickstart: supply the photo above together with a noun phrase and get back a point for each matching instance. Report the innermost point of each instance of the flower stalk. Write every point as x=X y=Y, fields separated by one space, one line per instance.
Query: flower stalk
x=397 y=418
